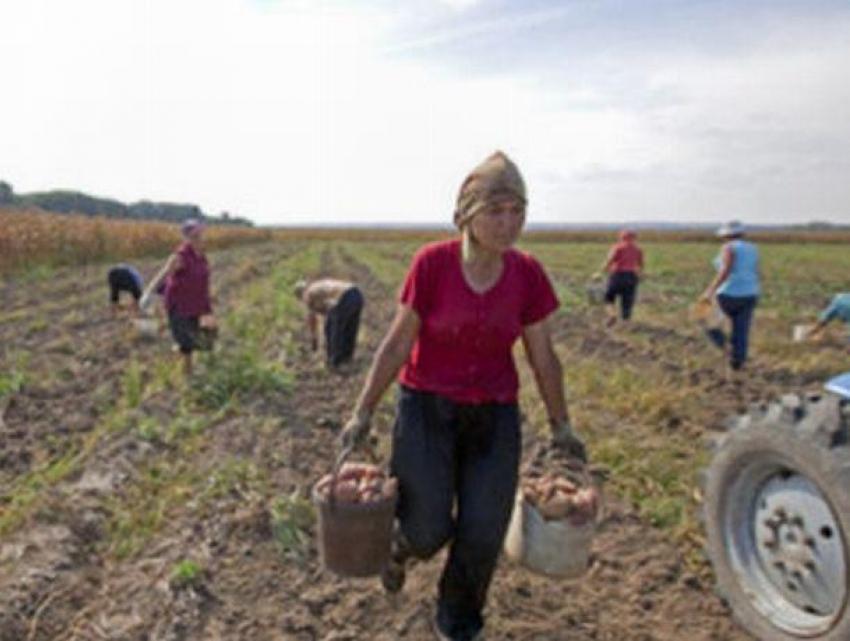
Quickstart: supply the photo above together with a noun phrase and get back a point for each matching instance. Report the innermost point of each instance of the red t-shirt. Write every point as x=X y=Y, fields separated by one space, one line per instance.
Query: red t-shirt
x=625 y=257
x=464 y=350
x=187 y=291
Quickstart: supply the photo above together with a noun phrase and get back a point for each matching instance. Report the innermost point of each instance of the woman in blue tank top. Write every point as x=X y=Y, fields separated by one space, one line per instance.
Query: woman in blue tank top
x=737 y=287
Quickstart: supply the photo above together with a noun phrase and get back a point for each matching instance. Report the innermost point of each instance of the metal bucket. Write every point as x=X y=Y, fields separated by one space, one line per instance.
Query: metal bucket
x=551 y=548
x=557 y=548
x=205 y=338
x=801 y=333
x=146 y=327
x=595 y=290
x=353 y=539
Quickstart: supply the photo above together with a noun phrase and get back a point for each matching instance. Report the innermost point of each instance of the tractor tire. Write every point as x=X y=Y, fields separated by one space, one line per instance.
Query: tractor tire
x=777 y=517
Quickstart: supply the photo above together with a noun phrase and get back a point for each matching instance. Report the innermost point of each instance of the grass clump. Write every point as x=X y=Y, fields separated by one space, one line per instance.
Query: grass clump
x=230 y=376
x=292 y=518
x=13 y=378
x=186 y=574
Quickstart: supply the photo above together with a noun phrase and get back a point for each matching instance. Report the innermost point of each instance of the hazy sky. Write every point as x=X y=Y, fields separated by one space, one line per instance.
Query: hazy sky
x=374 y=110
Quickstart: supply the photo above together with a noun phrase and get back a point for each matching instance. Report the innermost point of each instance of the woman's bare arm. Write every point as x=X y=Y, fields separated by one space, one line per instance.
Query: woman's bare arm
x=391 y=355
x=727 y=261
x=548 y=373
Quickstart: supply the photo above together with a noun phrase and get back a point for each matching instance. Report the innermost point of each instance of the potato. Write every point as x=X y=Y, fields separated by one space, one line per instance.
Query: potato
x=561 y=505
x=374 y=473
x=347 y=492
x=565 y=485
x=355 y=470
x=531 y=494
x=370 y=496
x=547 y=491
x=324 y=485
x=586 y=506
x=390 y=488
x=370 y=484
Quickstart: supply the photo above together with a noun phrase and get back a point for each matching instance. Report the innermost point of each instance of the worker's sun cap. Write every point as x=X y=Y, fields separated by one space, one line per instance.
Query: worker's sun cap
x=732 y=228
x=190 y=226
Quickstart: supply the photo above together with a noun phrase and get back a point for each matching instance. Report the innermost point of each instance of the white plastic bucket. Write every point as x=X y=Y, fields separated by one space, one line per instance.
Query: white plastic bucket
x=146 y=327
x=595 y=292
x=553 y=548
x=801 y=333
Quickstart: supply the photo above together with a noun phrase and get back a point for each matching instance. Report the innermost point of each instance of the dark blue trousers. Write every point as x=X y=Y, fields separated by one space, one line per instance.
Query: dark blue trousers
x=457 y=467
x=622 y=285
x=740 y=310
x=341 y=326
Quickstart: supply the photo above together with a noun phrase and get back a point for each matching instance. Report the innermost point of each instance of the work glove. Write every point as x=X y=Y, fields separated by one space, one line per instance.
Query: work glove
x=356 y=430
x=565 y=440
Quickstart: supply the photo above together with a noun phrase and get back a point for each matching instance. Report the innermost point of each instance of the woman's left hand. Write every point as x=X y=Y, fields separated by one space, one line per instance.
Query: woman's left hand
x=564 y=439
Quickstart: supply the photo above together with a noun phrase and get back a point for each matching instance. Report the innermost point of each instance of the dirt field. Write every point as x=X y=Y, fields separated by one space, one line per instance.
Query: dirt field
x=133 y=506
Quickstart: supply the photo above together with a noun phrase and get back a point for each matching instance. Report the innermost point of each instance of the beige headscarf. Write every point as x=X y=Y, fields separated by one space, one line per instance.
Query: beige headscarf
x=496 y=176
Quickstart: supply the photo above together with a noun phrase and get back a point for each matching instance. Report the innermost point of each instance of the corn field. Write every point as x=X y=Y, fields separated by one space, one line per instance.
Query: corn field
x=34 y=237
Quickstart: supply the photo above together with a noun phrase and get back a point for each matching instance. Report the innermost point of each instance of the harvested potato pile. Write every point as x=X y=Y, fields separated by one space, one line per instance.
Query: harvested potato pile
x=556 y=498
x=358 y=483
x=559 y=487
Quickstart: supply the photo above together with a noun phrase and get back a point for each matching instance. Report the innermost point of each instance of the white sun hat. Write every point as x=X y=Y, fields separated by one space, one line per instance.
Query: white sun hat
x=732 y=228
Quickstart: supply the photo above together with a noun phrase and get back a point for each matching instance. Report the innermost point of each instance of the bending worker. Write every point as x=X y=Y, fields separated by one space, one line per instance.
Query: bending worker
x=456 y=443
x=341 y=303
x=124 y=278
x=838 y=309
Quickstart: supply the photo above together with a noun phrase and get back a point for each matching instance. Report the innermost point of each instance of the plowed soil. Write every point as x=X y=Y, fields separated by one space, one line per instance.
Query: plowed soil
x=71 y=482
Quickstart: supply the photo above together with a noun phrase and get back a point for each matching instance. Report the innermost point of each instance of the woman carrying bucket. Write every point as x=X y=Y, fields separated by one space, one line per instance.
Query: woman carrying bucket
x=456 y=438
x=624 y=265
x=736 y=287
x=187 y=291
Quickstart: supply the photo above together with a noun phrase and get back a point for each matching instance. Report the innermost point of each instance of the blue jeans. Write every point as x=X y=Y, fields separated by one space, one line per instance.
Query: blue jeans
x=457 y=467
x=739 y=309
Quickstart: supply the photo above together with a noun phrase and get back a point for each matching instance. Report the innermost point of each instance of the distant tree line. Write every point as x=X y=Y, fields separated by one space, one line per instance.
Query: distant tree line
x=73 y=202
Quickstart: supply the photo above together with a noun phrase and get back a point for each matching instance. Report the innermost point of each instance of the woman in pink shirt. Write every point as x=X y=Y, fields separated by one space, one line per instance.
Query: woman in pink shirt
x=456 y=440
x=624 y=265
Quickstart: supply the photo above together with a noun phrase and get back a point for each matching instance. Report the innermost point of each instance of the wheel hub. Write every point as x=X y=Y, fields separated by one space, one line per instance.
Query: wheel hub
x=798 y=545
x=786 y=548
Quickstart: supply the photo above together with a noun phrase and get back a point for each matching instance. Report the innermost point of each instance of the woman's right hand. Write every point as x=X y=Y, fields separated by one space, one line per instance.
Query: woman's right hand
x=356 y=430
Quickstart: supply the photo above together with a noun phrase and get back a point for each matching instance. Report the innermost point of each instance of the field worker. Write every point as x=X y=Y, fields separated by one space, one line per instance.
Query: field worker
x=341 y=303
x=838 y=309
x=737 y=287
x=124 y=278
x=624 y=265
x=187 y=291
x=456 y=439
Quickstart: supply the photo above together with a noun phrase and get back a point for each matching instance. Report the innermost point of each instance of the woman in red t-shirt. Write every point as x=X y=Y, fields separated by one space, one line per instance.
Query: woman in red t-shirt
x=457 y=438
x=624 y=265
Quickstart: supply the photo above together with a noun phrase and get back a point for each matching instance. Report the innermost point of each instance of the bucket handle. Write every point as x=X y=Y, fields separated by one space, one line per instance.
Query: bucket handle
x=341 y=458
x=575 y=465
x=583 y=471
x=343 y=455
